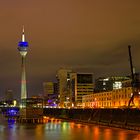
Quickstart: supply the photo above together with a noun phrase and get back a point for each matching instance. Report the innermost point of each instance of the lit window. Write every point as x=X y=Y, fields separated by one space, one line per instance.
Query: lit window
x=117 y=85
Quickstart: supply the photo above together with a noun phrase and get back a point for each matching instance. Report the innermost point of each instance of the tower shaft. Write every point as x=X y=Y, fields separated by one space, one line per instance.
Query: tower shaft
x=23 y=79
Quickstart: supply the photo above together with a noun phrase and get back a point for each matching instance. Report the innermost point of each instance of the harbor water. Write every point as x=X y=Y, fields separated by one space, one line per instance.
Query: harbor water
x=62 y=130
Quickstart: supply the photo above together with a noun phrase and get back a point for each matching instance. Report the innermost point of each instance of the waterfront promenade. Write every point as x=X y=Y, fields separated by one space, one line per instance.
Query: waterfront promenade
x=121 y=118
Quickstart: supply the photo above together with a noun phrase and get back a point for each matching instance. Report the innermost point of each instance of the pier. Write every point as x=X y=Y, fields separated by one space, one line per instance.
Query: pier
x=31 y=110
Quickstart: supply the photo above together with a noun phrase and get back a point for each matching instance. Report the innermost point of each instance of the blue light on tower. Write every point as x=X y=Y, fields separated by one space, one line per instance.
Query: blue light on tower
x=23 y=44
x=22 y=48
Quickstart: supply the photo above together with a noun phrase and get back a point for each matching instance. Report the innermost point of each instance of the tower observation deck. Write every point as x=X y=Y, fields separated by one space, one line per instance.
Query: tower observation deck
x=22 y=48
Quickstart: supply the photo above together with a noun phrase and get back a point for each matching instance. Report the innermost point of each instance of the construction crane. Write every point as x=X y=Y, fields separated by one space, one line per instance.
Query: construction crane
x=135 y=80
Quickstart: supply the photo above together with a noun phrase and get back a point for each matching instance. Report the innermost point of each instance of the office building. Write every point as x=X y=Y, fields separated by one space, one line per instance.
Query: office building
x=81 y=84
x=109 y=83
x=63 y=79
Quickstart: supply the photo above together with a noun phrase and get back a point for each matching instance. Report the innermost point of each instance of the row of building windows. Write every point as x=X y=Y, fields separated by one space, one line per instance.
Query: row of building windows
x=108 y=104
x=113 y=98
x=103 y=98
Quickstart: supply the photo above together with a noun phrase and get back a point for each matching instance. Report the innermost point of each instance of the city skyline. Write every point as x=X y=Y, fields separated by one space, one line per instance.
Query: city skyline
x=87 y=36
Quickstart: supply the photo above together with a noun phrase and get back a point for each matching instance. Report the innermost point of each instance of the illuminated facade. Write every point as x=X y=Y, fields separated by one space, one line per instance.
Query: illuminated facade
x=111 y=99
x=22 y=48
x=81 y=84
x=72 y=86
x=63 y=79
x=109 y=83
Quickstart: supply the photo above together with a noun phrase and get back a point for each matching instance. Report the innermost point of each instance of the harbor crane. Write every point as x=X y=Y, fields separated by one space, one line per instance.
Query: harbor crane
x=135 y=83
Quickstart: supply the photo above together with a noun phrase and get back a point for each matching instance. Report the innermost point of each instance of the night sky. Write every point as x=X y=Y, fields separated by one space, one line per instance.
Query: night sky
x=85 y=35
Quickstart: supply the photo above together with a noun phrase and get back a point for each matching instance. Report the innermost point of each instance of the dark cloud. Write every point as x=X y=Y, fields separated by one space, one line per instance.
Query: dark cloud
x=86 y=35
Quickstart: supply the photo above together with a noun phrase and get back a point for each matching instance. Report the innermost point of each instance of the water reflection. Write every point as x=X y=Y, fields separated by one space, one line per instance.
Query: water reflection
x=95 y=133
x=123 y=135
x=56 y=130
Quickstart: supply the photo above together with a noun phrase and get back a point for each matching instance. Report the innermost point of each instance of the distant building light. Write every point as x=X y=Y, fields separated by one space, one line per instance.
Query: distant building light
x=104 y=88
x=15 y=102
x=68 y=79
x=104 y=83
x=72 y=104
x=67 y=98
x=107 y=79
x=117 y=85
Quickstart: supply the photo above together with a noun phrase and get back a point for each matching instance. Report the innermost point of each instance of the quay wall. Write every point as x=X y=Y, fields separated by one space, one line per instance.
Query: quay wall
x=121 y=118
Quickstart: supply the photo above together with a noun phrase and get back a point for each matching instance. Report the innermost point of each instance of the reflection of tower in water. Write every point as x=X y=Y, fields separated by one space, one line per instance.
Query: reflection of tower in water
x=22 y=47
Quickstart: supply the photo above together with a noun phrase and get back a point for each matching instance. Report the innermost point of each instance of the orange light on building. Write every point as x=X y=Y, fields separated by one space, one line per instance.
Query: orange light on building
x=117 y=98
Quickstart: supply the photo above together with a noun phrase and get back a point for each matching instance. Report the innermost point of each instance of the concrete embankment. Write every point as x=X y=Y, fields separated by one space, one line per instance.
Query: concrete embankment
x=121 y=118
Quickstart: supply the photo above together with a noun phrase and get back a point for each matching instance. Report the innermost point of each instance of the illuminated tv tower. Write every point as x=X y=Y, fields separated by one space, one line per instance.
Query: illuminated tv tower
x=23 y=47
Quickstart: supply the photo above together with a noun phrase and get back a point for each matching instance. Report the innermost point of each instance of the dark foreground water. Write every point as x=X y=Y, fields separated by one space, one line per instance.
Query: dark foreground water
x=61 y=130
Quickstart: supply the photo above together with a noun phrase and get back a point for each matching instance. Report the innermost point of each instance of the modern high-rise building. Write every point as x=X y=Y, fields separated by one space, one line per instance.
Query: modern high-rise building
x=81 y=84
x=22 y=48
x=63 y=79
x=72 y=86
